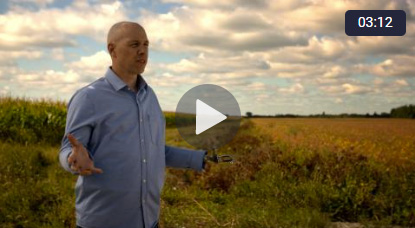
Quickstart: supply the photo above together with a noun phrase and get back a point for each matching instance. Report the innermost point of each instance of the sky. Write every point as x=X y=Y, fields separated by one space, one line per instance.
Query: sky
x=275 y=57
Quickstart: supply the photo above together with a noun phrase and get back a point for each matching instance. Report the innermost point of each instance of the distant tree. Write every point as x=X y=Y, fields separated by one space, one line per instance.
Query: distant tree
x=385 y=115
x=407 y=111
x=249 y=114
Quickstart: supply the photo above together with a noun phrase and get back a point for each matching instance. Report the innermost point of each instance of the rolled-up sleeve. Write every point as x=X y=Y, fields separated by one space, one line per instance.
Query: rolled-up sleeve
x=183 y=158
x=80 y=123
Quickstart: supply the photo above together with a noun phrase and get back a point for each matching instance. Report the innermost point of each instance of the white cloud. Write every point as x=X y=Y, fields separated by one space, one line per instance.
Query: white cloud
x=91 y=67
x=256 y=86
x=318 y=50
x=294 y=70
x=48 y=77
x=382 y=45
x=335 y=71
x=24 y=29
x=401 y=82
x=238 y=44
x=401 y=65
x=338 y=101
x=5 y=91
x=346 y=88
x=8 y=71
x=215 y=30
x=7 y=56
x=262 y=97
x=230 y=4
x=296 y=88
x=215 y=64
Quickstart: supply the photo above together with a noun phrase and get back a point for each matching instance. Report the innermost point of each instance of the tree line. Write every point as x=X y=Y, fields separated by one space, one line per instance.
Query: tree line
x=406 y=111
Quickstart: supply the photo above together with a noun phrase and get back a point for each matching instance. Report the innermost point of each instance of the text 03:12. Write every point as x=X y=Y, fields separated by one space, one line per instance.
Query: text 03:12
x=368 y=21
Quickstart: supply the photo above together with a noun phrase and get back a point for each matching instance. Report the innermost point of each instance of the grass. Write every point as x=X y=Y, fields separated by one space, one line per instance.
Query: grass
x=287 y=173
x=35 y=191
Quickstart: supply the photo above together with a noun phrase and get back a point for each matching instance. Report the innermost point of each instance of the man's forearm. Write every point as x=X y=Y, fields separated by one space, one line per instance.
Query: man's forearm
x=184 y=158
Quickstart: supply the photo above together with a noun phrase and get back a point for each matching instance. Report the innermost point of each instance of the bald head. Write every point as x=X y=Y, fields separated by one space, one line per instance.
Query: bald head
x=127 y=45
x=118 y=30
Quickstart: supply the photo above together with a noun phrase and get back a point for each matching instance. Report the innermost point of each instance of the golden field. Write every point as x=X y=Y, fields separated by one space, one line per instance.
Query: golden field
x=387 y=140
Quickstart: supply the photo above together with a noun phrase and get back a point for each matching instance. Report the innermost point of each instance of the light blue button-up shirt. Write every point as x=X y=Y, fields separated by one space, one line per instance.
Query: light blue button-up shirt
x=124 y=132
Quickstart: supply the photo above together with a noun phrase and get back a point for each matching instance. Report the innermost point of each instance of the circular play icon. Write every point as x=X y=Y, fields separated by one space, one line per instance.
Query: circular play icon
x=208 y=116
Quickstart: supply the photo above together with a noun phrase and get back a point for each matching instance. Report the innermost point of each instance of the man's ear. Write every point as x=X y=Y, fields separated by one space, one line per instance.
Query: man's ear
x=111 y=50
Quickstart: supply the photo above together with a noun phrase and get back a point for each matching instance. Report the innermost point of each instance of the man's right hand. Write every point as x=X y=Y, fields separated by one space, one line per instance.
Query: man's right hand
x=79 y=159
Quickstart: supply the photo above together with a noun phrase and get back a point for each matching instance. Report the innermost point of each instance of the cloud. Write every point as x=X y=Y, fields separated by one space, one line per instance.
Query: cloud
x=338 y=101
x=77 y=74
x=346 y=88
x=238 y=65
x=230 y=4
x=247 y=46
x=335 y=71
x=296 y=88
x=243 y=23
x=5 y=91
x=318 y=50
x=401 y=65
x=24 y=28
x=378 y=82
x=6 y=56
x=48 y=77
x=382 y=45
x=326 y=17
x=256 y=86
x=295 y=70
x=401 y=82
x=91 y=67
x=217 y=31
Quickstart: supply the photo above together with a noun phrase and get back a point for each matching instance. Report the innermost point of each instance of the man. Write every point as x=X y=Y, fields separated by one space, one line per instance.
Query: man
x=115 y=140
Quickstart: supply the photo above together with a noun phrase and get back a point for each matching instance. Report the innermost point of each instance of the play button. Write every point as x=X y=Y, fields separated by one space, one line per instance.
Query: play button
x=207 y=116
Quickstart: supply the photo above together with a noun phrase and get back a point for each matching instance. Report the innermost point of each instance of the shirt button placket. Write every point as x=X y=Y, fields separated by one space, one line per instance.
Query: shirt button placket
x=143 y=154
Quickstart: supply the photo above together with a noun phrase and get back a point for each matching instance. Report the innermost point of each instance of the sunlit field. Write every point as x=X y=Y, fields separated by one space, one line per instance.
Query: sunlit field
x=391 y=141
x=299 y=172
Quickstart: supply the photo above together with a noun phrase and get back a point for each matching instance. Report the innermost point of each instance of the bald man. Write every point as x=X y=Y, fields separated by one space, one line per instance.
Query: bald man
x=115 y=140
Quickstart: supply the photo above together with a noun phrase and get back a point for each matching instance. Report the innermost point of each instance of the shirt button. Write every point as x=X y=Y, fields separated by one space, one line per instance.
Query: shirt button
x=144 y=160
x=144 y=180
x=142 y=140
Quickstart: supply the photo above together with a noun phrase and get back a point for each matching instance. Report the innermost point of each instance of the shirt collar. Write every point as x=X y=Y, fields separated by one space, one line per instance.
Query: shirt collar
x=118 y=84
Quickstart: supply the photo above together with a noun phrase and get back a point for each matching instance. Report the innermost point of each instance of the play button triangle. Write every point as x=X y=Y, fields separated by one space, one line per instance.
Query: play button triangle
x=206 y=117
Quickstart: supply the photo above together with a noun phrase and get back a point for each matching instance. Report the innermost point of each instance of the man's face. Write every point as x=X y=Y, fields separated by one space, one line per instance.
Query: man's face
x=132 y=50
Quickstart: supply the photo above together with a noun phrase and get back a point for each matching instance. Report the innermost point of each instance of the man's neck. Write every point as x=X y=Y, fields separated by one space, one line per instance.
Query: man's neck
x=129 y=79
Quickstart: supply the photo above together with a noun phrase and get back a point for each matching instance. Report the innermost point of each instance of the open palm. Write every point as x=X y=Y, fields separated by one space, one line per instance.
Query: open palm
x=79 y=159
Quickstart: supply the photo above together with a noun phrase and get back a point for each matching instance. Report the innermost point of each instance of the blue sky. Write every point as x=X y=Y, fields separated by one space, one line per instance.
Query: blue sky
x=274 y=56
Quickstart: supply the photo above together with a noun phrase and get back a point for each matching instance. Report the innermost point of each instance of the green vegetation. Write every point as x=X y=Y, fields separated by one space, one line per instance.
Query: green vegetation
x=26 y=122
x=35 y=191
x=271 y=184
x=407 y=111
x=41 y=121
